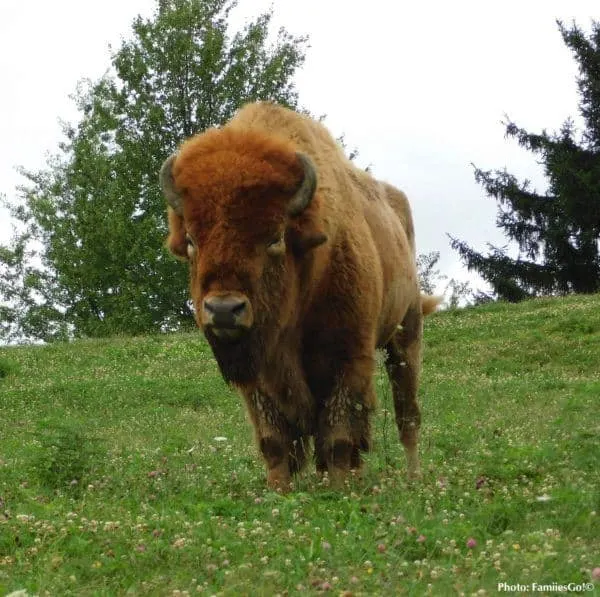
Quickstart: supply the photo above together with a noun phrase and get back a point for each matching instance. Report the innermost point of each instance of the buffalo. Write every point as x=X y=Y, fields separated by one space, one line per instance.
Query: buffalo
x=301 y=265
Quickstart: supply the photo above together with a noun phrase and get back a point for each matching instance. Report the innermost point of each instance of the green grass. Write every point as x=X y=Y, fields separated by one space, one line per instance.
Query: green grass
x=115 y=478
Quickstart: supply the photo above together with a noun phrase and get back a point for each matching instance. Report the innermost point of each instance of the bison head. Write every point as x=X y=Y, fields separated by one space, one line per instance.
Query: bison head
x=244 y=213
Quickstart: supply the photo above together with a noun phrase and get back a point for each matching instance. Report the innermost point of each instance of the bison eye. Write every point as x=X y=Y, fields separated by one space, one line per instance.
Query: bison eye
x=191 y=247
x=276 y=246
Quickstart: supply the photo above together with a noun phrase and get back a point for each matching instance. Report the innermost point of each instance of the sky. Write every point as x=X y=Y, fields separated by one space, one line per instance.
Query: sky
x=420 y=89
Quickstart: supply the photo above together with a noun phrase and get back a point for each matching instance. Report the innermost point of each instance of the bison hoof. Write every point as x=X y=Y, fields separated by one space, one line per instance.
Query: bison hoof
x=278 y=481
x=414 y=474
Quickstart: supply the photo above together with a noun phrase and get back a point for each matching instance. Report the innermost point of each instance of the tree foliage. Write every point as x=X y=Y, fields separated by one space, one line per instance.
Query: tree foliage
x=95 y=216
x=429 y=274
x=558 y=232
x=431 y=279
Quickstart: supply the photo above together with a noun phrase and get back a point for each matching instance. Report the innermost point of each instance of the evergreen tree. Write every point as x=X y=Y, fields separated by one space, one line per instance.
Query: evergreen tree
x=94 y=220
x=557 y=232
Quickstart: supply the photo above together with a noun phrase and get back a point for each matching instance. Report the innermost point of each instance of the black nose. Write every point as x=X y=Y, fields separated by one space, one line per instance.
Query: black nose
x=224 y=311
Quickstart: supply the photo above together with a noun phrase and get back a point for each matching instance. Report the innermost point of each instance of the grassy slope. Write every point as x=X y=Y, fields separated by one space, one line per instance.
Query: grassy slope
x=112 y=478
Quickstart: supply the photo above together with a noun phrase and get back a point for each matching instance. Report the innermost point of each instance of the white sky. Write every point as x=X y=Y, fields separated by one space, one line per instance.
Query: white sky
x=420 y=89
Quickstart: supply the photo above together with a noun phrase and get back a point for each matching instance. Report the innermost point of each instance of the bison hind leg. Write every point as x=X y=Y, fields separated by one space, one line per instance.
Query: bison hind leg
x=403 y=367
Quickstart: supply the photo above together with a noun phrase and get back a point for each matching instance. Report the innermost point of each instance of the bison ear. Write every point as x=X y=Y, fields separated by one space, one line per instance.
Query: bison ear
x=305 y=242
x=167 y=184
x=305 y=232
x=176 y=241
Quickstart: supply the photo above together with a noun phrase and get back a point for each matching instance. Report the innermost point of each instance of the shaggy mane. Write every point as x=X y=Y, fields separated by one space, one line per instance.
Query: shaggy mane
x=221 y=161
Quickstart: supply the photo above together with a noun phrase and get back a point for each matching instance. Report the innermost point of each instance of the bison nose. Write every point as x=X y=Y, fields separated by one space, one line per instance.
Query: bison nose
x=225 y=311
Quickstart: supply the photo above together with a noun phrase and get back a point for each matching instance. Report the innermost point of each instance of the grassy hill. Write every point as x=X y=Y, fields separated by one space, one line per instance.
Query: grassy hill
x=127 y=467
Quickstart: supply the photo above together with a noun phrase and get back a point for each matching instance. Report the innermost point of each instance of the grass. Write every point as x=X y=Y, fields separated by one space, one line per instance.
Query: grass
x=127 y=467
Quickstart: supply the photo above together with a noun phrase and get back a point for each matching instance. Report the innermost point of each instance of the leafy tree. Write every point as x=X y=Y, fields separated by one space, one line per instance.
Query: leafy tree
x=95 y=216
x=430 y=278
x=429 y=274
x=26 y=313
x=557 y=232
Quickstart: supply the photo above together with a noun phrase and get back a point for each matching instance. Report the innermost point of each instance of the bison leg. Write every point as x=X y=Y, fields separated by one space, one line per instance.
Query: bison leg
x=344 y=429
x=282 y=447
x=403 y=366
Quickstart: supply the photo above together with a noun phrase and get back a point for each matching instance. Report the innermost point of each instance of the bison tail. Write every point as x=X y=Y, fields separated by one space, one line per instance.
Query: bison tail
x=429 y=303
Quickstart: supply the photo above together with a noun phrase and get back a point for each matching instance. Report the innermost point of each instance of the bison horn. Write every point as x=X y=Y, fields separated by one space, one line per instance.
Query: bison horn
x=303 y=196
x=167 y=184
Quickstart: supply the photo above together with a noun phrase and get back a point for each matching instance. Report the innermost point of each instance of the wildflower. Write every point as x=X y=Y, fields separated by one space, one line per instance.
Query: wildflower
x=596 y=573
x=471 y=543
x=326 y=545
x=220 y=438
x=381 y=548
x=421 y=539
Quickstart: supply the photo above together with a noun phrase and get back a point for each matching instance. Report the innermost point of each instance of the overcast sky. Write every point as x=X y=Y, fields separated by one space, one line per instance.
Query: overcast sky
x=420 y=89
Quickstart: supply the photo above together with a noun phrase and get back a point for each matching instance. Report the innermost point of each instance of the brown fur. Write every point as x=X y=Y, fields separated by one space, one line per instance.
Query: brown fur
x=343 y=284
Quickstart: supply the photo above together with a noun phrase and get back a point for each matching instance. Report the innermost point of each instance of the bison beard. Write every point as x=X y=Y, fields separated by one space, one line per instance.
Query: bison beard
x=239 y=361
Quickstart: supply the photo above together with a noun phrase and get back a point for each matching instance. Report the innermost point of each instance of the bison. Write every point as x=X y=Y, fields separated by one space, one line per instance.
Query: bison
x=301 y=265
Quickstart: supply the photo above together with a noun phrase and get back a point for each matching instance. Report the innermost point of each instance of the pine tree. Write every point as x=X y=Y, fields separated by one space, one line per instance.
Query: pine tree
x=95 y=216
x=557 y=232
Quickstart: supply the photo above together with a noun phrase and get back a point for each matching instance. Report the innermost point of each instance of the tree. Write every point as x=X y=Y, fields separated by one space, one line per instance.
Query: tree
x=429 y=275
x=95 y=216
x=557 y=232
x=430 y=278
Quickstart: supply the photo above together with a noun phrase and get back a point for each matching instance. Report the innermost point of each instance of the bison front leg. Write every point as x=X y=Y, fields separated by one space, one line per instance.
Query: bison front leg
x=403 y=365
x=344 y=427
x=283 y=450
